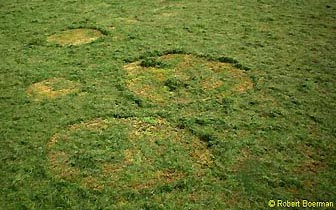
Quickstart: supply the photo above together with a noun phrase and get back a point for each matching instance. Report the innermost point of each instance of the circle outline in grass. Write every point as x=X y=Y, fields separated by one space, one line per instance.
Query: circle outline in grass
x=51 y=89
x=153 y=155
x=183 y=78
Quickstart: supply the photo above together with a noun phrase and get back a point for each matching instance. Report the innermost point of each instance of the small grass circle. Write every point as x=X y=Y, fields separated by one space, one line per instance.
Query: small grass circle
x=184 y=78
x=75 y=36
x=51 y=89
x=126 y=153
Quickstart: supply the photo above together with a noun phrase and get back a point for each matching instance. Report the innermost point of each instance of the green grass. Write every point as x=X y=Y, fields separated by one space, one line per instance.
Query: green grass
x=274 y=141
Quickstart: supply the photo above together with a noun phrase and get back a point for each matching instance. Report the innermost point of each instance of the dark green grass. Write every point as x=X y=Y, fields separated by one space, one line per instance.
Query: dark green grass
x=276 y=141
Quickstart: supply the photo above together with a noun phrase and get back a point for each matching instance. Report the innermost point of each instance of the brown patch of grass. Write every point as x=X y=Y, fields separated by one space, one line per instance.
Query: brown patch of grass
x=202 y=155
x=211 y=83
x=309 y=168
x=159 y=178
x=131 y=67
x=168 y=56
x=168 y=176
x=96 y=124
x=53 y=140
x=189 y=60
x=51 y=89
x=140 y=129
x=59 y=165
x=148 y=133
x=129 y=156
x=145 y=90
x=245 y=155
x=237 y=201
x=243 y=86
x=310 y=164
x=157 y=84
x=143 y=153
x=91 y=183
x=242 y=82
x=110 y=169
x=75 y=36
x=59 y=160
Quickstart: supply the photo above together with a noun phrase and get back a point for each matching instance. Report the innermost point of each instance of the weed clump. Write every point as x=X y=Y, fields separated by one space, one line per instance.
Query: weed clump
x=174 y=83
x=153 y=62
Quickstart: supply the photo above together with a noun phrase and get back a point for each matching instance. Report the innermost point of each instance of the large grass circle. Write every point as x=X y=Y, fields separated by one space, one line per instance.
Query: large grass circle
x=184 y=78
x=126 y=153
x=75 y=36
x=51 y=88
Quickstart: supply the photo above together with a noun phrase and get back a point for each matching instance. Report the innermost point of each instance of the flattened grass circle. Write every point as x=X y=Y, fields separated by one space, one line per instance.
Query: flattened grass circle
x=126 y=153
x=51 y=89
x=184 y=78
x=75 y=36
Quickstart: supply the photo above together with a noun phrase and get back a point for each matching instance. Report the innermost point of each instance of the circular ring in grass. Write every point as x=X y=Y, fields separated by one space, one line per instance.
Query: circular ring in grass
x=51 y=89
x=184 y=78
x=126 y=153
x=75 y=36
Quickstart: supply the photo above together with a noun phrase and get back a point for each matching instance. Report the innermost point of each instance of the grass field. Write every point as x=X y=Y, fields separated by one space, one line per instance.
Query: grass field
x=167 y=104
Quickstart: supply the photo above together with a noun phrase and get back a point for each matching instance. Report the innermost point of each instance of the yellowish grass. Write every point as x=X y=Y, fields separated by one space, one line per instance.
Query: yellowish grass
x=75 y=36
x=58 y=164
x=168 y=14
x=92 y=183
x=242 y=82
x=164 y=15
x=142 y=153
x=127 y=20
x=96 y=124
x=159 y=177
x=216 y=78
x=51 y=89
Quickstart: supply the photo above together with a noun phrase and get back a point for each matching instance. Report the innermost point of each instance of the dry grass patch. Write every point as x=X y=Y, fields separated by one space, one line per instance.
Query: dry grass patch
x=75 y=36
x=165 y=15
x=51 y=89
x=181 y=78
x=127 y=20
x=145 y=153
x=59 y=165
x=96 y=124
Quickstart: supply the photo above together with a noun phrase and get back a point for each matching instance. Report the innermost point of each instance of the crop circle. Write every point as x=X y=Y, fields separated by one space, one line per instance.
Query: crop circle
x=126 y=153
x=75 y=36
x=184 y=78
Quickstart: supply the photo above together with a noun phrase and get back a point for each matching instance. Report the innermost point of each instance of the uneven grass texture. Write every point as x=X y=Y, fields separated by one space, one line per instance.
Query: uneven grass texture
x=51 y=89
x=166 y=104
x=184 y=78
x=164 y=154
